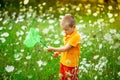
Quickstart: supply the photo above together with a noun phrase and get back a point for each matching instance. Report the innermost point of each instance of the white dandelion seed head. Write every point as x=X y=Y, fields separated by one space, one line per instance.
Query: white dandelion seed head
x=23 y=27
x=112 y=20
x=100 y=46
x=39 y=63
x=9 y=68
x=18 y=72
x=29 y=76
x=110 y=15
x=77 y=9
x=5 y=34
x=26 y=2
x=95 y=14
x=119 y=74
x=1 y=27
x=119 y=58
x=45 y=31
x=3 y=40
x=117 y=36
x=57 y=42
x=113 y=31
x=110 y=7
x=18 y=56
x=28 y=57
x=96 y=57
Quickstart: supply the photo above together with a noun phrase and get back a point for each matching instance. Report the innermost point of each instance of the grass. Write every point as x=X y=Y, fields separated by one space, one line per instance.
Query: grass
x=100 y=53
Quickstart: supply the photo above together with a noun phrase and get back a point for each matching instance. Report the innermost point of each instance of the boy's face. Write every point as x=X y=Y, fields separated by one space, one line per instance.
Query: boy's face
x=68 y=30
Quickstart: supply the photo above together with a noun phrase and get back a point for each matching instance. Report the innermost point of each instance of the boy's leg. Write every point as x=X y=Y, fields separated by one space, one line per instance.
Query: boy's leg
x=62 y=72
x=68 y=73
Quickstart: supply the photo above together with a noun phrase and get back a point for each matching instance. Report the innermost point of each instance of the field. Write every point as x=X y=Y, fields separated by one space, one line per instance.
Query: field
x=98 y=27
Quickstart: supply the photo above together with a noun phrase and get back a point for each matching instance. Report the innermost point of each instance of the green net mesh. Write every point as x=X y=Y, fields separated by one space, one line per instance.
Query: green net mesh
x=32 y=38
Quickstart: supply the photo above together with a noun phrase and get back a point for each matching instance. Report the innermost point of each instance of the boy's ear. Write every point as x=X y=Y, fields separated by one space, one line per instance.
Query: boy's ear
x=74 y=26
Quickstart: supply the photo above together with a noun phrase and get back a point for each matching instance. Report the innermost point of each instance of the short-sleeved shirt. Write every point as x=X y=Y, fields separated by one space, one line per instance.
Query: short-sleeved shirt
x=70 y=58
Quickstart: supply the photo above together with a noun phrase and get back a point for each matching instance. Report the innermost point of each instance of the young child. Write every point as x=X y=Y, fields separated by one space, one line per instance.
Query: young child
x=70 y=52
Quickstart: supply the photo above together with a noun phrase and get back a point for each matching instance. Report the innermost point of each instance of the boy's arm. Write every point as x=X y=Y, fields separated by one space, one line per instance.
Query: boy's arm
x=60 y=49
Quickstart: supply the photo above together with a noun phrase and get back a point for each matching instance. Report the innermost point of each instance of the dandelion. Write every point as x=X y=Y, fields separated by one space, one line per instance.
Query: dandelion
x=117 y=36
x=26 y=2
x=5 y=22
x=18 y=56
x=21 y=33
x=101 y=64
x=89 y=11
x=60 y=75
x=51 y=21
x=9 y=68
x=112 y=31
x=5 y=34
x=62 y=9
x=116 y=45
x=57 y=42
x=28 y=57
x=119 y=74
x=44 y=63
x=22 y=50
x=29 y=76
x=39 y=20
x=56 y=36
x=13 y=15
x=10 y=28
x=17 y=43
x=3 y=40
x=96 y=57
x=100 y=46
x=81 y=21
x=95 y=14
x=95 y=78
x=51 y=27
x=108 y=38
x=1 y=28
x=116 y=14
x=25 y=63
x=1 y=19
x=89 y=43
x=77 y=9
x=39 y=63
x=20 y=18
x=112 y=20
x=110 y=15
x=45 y=31
x=17 y=33
x=110 y=7
x=119 y=58
x=44 y=3
x=20 y=38
x=82 y=68
x=23 y=27
x=37 y=29
x=18 y=72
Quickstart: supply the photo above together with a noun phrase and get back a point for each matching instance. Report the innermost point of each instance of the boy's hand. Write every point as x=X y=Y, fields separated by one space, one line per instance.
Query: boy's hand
x=56 y=54
x=50 y=48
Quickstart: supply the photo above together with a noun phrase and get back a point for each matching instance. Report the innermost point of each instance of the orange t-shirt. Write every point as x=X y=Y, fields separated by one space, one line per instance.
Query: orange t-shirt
x=70 y=58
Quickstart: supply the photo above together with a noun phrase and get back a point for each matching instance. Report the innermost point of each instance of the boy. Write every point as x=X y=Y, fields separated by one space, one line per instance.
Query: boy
x=70 y=52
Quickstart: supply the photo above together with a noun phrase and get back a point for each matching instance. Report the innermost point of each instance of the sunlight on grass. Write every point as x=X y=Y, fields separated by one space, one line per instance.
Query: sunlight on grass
x=98 y=26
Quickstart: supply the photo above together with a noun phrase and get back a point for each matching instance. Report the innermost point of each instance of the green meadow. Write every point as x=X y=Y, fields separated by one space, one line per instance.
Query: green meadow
x=98 y=26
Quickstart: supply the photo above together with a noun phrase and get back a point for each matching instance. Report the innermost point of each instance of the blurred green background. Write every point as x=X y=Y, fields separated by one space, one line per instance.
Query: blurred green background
x=98 y=23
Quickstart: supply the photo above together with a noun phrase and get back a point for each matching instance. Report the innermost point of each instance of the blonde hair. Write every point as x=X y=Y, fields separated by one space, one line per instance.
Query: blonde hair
x=68 y=20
